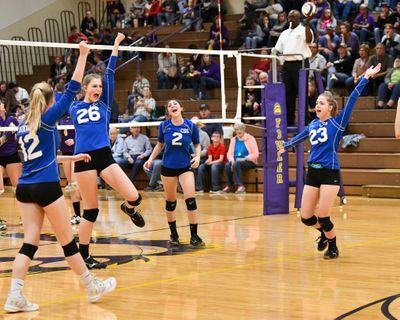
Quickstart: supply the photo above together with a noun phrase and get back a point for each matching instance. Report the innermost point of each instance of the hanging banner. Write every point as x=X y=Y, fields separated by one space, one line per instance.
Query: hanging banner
x=276 y=184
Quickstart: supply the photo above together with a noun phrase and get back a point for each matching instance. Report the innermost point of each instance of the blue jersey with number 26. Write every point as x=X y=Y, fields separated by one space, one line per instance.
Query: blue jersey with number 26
x=177 y=139
x=325 y=136
x=91 y=120
x=39 y=150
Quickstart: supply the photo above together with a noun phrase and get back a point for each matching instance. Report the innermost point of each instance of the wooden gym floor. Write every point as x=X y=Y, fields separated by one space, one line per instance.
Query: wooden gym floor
x=253 y=267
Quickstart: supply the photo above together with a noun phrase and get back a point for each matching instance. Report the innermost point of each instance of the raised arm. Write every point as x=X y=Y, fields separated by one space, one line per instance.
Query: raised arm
x=296 y=139
x=61 y=106
x=344 y=117
x=108 y=83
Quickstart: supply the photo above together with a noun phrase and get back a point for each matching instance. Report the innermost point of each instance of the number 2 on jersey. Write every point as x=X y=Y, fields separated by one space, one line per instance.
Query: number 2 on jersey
x=86 y=115
x=322 y=138
x=30 y=154
x=176 y=140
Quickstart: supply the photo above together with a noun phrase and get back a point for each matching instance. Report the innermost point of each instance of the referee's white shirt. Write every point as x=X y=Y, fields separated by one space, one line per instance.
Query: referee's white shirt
x=294 y=41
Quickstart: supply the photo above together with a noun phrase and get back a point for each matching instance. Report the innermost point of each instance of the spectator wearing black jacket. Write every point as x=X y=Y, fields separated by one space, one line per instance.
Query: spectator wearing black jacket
x=89 y=24
x=340 y=69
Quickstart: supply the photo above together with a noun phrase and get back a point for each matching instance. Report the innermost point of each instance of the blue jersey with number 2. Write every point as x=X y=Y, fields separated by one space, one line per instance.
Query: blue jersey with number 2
x=177 y=139
x=39 y=150
x=325 y=136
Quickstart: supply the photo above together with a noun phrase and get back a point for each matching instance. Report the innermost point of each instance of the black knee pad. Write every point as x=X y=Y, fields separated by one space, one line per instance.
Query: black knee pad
x=70 y=249
x=90 y=214
x=326 y=223
x=28 y=249
x=170 y=205
x=310 y=221
x=191 y=204
x=136 y=202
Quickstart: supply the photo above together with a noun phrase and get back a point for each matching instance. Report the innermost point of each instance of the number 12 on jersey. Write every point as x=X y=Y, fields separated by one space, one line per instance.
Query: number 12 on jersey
x=30 y=153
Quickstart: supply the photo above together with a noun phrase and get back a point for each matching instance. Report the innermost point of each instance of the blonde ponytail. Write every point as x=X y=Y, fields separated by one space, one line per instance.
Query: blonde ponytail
x=41 y=95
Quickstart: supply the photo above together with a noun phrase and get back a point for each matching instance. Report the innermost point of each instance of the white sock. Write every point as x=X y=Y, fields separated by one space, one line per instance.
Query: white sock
x=16 y=286
x=86 y=278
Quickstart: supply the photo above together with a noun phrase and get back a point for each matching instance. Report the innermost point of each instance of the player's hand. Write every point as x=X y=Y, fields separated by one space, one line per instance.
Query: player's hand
x=69 y=142
x=281 y=151
x=83 y=48
x=147 y=165
x=81 y=156
x=195 y=162
x=119 y=38
x=372 y=71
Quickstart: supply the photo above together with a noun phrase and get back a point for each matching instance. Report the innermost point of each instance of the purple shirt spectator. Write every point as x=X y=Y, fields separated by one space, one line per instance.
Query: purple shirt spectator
x=363 y=20
x=10 y=146
x=211 y=71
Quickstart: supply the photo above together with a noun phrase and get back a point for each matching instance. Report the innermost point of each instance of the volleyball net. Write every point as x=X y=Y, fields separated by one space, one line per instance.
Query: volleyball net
x=227 y=98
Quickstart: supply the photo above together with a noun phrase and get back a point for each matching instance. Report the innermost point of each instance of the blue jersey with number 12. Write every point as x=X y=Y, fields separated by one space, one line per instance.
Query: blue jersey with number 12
x=91 y=120
x=177 y=139
x=39 y=150
x=325 y=136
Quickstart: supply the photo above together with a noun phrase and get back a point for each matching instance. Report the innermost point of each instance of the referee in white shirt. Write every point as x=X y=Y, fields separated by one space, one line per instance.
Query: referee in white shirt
x=296 y=39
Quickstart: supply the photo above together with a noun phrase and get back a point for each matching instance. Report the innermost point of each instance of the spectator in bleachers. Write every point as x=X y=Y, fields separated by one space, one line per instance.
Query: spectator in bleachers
x=242 y=155
x=21 y=95
x=144 y=107
x=326 y=19
x=99 y=66
x=386 y=62
x=138 y=148
x=339 y=70
x=8 y=98
x=312 y=96
x=135 y=17
x=343 y=8
x=209 y=128
x=204 y=143
x=265 y=26
x=215 y=163
x=154 y=175
x=214 y=34
x=389 y=91
x=116 y=12
x=363 y=24
x=317 y=61
x=58 y=71
x=207 y=76
x=118 y=147
x=167 y=14
x=195 y=59
x=137 y=89
x=349 y=38
x=386 y=16
x=166 y=69
x=272 y=11
x=262 y=65
x=359 y=68
x=70 y=58
x=397 y=18
x=280 y=25
x=89 y=24
x=391 y=40
x=322 y=5
x=329 y=43
x=209 y=10
x=152 y=9
x=182 y=79
x=255 y=36
x=75 y=36
x=252 y=99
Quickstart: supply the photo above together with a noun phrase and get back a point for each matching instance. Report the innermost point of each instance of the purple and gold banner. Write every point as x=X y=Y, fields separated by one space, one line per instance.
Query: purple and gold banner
x=276 y=188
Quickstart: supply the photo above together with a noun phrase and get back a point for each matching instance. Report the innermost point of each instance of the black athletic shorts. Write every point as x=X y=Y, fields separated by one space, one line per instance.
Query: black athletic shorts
x=14 y=158
x=316 y=177
x=167 y=172
x=101 y=159
x=43 y=194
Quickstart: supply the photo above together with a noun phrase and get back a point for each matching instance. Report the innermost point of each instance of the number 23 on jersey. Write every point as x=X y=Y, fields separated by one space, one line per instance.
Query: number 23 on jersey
x=319 y=135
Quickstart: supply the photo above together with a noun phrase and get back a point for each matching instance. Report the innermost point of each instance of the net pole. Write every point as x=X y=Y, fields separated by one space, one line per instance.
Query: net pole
x=239 y=86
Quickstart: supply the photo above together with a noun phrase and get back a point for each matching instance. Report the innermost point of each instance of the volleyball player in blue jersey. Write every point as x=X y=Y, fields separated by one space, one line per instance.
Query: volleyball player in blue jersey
x=39 y=192
x=177 y=134
x=91 y=118
x=323 y=176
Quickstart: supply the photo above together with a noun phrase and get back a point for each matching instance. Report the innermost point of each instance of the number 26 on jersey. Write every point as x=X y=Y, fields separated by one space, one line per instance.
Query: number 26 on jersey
x=86 y=115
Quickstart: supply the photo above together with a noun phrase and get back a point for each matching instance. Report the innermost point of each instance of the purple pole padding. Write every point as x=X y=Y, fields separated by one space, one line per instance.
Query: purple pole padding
x=276 y=172
x=302 y=107
x=318 y=80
